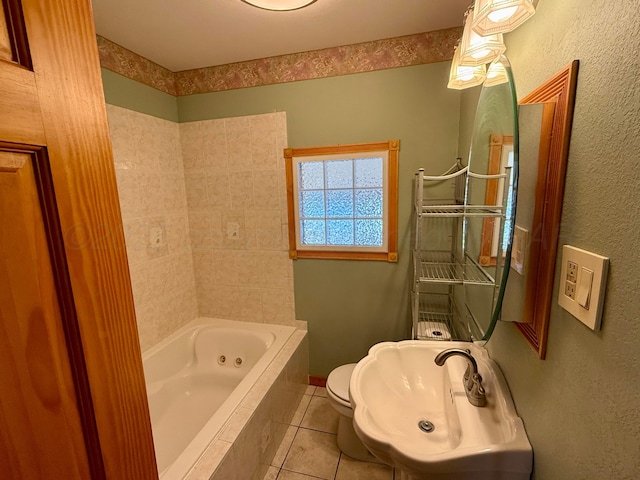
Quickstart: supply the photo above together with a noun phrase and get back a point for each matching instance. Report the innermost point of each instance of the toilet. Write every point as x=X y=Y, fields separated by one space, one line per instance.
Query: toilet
x=338 y=395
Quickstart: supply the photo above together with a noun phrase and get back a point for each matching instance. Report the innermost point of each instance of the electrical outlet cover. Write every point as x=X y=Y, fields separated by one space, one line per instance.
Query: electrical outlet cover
x=570 y=289
x=585 y=261
x=572 y=271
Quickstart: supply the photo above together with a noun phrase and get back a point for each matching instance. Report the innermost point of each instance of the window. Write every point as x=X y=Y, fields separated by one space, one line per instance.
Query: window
x=343 y=201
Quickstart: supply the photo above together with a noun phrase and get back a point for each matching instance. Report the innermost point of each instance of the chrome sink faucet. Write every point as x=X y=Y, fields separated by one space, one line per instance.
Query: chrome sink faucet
x=472 y=379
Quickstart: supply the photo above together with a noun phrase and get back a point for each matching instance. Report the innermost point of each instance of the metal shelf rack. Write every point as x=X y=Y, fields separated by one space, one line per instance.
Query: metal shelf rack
x=439 y=308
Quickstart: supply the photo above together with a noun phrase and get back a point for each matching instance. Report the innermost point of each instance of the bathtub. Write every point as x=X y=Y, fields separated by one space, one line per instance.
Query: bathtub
x=196 y=378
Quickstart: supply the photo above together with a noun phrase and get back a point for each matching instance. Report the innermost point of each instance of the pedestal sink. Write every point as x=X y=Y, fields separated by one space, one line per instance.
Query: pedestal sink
x=415 y=415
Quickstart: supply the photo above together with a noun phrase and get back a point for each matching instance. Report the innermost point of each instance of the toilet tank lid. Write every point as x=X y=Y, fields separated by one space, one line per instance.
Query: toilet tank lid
x=338 y=380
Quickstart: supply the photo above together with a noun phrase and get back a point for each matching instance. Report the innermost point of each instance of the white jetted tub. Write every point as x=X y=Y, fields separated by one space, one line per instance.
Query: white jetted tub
x=195 y=380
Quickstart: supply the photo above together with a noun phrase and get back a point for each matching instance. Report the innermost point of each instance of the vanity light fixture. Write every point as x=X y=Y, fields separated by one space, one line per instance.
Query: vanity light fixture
x=461 y=76
x=279 y=5
x=496 y=74
x=477 y=49
x=501 y=16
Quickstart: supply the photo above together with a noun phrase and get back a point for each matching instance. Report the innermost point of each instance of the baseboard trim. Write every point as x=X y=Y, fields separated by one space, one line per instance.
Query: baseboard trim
x=317 y=381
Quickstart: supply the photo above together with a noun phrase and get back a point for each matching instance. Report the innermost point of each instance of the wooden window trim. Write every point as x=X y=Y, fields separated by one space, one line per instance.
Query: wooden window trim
x=391 y=255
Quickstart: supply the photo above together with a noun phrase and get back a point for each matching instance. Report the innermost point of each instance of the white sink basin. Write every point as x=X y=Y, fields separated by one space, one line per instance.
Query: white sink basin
x=397 y=385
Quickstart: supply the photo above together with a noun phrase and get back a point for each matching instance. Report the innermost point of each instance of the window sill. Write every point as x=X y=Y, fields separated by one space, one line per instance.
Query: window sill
x=332 y=255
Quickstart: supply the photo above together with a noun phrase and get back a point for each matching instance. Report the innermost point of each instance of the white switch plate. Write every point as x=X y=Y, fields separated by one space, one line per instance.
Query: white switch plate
x=586 y=262
x=233 y=230
x=519 y=249
x=156 y=237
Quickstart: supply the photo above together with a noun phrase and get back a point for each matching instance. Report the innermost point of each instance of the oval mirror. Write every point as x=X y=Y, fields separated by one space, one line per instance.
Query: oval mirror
x=491 y=200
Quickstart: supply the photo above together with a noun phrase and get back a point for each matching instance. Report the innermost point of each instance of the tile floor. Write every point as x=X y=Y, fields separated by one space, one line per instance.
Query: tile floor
x=309 y=450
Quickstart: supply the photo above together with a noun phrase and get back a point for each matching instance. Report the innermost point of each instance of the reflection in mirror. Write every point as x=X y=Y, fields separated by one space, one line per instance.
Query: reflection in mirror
x=557 y=95
x=500 y=162
x=454 y=297
x=491 y=196
x=535 y=136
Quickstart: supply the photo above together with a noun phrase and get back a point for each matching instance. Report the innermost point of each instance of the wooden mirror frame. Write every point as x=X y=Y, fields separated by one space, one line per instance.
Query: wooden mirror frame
x=558 y=95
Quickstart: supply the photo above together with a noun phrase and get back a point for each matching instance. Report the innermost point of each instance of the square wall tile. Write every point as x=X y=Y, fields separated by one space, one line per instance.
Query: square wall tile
x=219 y=191
x=218 y=463
x=268 y=230
x=241 y=190
x=196 y=191
x=205 y=230
x=178 y=236
x=238 y=136
x=266 y=193
x=128 y=193
x=226 y=268
x=278 y=306
x=174 y=195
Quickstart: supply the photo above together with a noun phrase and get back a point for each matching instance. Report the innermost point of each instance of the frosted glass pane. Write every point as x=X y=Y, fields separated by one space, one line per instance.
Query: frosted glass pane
x=368 y=172
x=339 y=173
x=312 y=204
x=369 y=233
x=340 y=232
x=312 y=232
x=369 y=203
x=311 y=175
x=340 y=203
x=508 y=224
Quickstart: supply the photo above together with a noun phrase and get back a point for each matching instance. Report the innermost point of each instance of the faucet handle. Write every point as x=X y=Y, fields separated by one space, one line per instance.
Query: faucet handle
x=467 y=378
x=476 y=394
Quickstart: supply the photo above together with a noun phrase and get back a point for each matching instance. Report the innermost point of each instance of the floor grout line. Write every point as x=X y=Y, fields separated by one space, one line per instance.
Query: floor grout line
x=281 y=468
x=337 y=466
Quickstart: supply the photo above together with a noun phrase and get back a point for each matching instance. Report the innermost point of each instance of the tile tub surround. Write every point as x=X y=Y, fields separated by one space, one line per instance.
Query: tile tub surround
x=236 y=199
x=246 y=446
x=184 y=190
x=153 y=202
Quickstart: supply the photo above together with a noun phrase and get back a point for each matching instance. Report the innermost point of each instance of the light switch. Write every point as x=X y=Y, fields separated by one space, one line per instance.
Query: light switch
x=584 y=288
x=519 y=249
x=589 y=274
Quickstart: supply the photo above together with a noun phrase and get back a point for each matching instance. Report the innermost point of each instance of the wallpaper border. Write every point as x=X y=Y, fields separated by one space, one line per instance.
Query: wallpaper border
x=418 y=49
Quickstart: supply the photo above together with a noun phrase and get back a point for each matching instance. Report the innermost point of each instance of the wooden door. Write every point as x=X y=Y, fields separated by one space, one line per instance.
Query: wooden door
x=72 y=397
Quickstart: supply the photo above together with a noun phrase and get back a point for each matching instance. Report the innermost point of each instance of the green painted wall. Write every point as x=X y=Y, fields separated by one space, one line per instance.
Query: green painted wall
x=580 y=405
x=468 y=104
x=351 y=305
x=124 y=92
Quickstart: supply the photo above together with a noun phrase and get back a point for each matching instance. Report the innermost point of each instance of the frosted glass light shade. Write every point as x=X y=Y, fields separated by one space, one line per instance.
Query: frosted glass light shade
x=500 y=16
x=461 y=77
x=496 y=74
x=279 y=5
x=477 y=50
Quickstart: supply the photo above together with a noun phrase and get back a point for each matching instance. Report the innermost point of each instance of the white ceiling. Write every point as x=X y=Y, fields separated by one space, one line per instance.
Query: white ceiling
x=186 y=34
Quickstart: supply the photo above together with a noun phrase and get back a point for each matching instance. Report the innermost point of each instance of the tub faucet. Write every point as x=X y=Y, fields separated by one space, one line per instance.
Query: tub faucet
x=472 y=379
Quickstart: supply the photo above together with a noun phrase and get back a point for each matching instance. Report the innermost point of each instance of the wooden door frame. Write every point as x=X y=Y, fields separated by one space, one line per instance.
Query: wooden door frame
x=62 y=80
